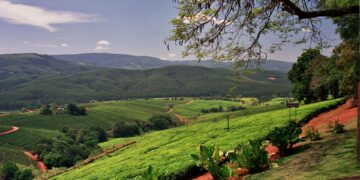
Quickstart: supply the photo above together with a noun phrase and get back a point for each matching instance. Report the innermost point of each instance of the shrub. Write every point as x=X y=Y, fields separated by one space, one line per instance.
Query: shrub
x=252 y=156
x=312 y=134
x=161 y=122
x=122 y=129
x=45 y=110
x=73 y=109
x=9 y=171
x=102 y=136
x=212 y=160
x=285 y=137
x=235 y=108
x=337 y=127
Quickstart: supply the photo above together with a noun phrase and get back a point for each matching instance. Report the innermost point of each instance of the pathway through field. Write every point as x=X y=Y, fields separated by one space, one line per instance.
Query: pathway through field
x=13 y=129
x=41 y=165
x=344 y=113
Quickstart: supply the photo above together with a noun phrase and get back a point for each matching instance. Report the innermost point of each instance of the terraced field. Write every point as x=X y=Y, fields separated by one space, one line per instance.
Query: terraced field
x=169 y=150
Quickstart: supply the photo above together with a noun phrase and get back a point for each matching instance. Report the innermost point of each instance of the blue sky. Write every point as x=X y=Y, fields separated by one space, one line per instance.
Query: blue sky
x=136 y=27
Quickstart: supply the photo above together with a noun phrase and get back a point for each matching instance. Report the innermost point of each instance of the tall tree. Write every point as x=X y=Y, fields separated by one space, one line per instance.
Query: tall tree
x=232 y=29
x=300 y=75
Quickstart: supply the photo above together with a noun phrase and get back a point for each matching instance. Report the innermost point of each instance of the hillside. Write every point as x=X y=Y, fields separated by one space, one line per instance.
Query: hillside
x=169 y=151
x=124 y=61
x=16 y=69
x=120 y=83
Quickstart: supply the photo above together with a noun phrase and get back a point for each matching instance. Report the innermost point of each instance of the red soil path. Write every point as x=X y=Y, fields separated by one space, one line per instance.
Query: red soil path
x=180 y=118
x=13 y=129
x=344 y=114
x=41 y=165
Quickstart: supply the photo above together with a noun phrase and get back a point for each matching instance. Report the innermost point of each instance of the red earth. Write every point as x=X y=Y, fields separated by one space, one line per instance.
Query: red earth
x=344 y=114
x=13 y=129
x=180 y=118
x=41 y=165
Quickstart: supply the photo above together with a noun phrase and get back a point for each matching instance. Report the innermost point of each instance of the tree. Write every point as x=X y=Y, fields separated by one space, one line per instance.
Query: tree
x=9 y=171
x=73 y=109
x=45 y=110
x=300 y=75
x=231 y=30
x=161 y=122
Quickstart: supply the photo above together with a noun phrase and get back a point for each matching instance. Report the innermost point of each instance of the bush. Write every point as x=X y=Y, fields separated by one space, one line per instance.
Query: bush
x=212 y=160
x=161 y=122
x=73 y=109
x=312 y=134
x=252 y=156
x=45 y=110
x=235 y=108
x=285 y=137
x=9 y=171
x=122 y=129
x=337 y=128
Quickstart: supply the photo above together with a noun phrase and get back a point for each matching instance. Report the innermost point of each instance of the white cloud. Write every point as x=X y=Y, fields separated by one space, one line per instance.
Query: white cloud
x=39 y=17
x=172 y=55
x=102 y=45
x=64 y=45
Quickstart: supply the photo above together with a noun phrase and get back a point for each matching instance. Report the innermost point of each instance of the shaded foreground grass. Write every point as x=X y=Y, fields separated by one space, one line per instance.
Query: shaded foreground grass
x=169 y=151
x=330 y=158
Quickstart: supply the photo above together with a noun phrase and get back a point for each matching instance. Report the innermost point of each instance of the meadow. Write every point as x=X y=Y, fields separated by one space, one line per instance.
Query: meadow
x=169 y=151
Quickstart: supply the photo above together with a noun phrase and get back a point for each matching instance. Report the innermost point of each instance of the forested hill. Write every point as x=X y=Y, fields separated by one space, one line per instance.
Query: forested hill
x=112 y=84
x=124 y=61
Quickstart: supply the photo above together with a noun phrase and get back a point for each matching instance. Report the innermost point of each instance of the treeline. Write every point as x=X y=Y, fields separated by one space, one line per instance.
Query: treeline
x=79 y=143
x=72 y=109
x=66 y=150
x=221 y=109
x=315 y=76
x=157 y=122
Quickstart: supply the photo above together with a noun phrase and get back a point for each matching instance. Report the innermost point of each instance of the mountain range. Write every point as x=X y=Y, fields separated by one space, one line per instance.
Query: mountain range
x=29 y=80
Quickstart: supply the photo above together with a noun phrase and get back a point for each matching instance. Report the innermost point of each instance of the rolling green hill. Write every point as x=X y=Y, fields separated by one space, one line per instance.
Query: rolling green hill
x=169 y=151
x=109 y=84
x=125 y=61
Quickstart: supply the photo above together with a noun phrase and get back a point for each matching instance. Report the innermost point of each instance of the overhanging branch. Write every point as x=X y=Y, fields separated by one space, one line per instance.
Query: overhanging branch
x=295 y=10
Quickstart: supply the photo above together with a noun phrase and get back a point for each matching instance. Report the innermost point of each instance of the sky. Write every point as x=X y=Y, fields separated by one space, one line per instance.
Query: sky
x=136 y=27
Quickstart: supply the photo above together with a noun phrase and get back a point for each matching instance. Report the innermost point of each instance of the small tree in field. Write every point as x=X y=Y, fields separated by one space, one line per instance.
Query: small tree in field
x=45 y=110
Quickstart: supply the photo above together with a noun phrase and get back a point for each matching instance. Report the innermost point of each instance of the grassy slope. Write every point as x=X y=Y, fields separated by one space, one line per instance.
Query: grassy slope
x=169 y=150
x=34 y=126
x=333 y=157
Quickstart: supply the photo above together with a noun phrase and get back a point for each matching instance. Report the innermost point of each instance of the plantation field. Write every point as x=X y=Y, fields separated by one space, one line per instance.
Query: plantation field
x=193 y=108
x=101 y=114
x=169 y=151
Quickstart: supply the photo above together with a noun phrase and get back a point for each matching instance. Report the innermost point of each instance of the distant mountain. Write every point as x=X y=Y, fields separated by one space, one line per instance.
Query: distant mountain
x=123 y=61
x=17 y=69
x=167 y=81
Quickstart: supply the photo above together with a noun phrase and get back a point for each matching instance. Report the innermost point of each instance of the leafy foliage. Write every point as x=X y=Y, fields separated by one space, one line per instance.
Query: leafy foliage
x=337 y=127
x=45 y=110
x=285 y=137
x=212 y=159
x=9 y=171
x=73 y=109
x=312 y=134
x=251 y=156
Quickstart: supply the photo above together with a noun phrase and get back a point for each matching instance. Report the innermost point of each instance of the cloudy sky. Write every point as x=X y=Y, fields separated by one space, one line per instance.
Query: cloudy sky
x=136 y=27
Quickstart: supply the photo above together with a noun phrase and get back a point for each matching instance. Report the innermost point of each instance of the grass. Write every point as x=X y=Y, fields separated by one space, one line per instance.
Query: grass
x=101 y=114
x=169 y=151
x=331 y=158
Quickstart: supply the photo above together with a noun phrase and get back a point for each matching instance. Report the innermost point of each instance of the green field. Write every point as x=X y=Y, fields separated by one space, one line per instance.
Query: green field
x=169 y=150
x=34 y=127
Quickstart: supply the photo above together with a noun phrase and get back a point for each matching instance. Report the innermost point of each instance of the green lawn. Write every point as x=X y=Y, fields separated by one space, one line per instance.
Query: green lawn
x=169 y=151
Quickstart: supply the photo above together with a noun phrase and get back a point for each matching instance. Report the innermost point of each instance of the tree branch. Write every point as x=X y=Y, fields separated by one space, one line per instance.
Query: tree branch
x=295 y=10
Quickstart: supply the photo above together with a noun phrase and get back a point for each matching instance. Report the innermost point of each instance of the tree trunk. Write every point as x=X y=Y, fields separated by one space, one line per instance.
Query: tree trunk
x=358 y=124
